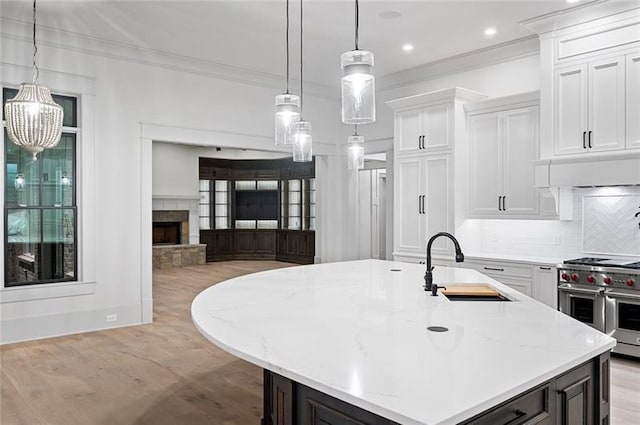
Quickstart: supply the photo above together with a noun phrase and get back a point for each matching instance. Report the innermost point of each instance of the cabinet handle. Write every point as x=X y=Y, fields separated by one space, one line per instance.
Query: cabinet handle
x=423 y=209
x=499 y=207
x=504 y=203
x=589 y=139
x=545 y=268
x=419 y=204
x=584 y=140
x=422 y=137
x=494 y=269
x=519 y=415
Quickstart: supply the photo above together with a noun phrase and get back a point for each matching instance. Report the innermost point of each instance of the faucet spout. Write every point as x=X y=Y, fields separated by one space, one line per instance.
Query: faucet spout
x=428 y=275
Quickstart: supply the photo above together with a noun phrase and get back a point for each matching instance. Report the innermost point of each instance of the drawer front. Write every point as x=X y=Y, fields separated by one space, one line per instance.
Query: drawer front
x=530 y=408
x=495 y=269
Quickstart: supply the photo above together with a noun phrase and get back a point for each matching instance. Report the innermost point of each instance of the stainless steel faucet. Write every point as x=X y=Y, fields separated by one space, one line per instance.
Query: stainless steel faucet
x=428 y=276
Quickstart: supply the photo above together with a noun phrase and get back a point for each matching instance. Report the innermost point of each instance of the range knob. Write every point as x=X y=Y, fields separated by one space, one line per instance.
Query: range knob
x=608 y=280
x=575 y=277
x=565 y=276
x=591 y=279
x=630 y=282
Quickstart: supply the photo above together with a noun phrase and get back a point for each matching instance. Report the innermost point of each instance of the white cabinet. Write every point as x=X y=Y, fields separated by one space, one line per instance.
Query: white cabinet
x=503 y=144
x=428 y=135
x=424 y=129
x=423 y=203
x=545 y=285
x=515 y=275
x=590 y=107
x=633 y=101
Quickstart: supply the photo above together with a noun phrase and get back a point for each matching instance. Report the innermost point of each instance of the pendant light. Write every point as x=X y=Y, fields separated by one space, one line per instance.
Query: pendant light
x=302 y=144
x=287 y=105
x=34 y=120
x=19 y=181
x=358 y=83
x=65 y=180
x=355 y=150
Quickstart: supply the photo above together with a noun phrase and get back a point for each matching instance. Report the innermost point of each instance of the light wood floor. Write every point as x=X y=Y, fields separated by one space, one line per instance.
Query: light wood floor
x=165 y=373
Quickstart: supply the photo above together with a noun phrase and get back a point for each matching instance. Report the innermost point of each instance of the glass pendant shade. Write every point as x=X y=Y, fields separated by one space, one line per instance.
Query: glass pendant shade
x=358 y=87
x=355 y=152
x=65 y=180
x=302 y=148
x=287 y=114
x=19 y=181
x=34 y=120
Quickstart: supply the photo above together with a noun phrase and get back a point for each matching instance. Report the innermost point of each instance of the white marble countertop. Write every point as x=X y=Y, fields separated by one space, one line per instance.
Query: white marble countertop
x=357 y=331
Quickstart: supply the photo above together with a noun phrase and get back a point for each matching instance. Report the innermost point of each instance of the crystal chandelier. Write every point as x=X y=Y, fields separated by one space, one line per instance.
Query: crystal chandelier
x=302 y=143
x=287 y=106
x=33 y=119
x=355 y=151
x=358 y=83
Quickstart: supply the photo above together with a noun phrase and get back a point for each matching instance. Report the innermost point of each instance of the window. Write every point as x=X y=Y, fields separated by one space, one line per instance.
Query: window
x=40 y=211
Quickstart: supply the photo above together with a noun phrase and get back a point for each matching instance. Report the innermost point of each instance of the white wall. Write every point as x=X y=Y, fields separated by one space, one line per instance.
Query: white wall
x=133 y=99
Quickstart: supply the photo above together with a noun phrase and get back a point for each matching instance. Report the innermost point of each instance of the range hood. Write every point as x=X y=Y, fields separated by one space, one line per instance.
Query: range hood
x=588 y=170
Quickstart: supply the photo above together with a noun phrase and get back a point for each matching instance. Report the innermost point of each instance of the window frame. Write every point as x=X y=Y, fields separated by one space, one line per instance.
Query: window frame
x=68 y=131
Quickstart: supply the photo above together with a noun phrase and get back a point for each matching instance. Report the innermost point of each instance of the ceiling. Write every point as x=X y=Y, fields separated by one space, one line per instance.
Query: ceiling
x=250 y=34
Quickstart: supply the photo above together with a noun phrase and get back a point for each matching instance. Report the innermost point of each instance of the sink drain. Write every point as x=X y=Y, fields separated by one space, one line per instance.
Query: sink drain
x=437 y=329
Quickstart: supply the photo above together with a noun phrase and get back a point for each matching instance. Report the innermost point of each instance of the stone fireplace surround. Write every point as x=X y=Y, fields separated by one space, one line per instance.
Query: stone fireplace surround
x=190 y=252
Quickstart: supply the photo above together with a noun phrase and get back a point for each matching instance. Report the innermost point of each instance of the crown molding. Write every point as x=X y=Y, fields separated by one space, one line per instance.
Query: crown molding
x=11 y=29
x=503 y=52
x=435 y=97
x=580 y=14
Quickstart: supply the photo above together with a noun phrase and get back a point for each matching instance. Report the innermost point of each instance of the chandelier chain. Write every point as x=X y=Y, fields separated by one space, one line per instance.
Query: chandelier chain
x=301 y=88
x=287 y=42
x=357 y=22
x=36 y=71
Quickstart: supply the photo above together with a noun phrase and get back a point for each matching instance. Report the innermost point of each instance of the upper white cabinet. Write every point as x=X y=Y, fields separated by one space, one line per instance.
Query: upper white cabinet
x=590 y=107
x=503 y=143
x=633 y=101
x=590 y=79
x=424 y=129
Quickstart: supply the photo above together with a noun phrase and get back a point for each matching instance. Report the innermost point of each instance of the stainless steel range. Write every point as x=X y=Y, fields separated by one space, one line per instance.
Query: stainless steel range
x=604 y=294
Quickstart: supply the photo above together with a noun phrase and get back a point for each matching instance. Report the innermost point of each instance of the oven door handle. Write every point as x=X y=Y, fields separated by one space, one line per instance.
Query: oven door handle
x=565 y=288
x=622 y=295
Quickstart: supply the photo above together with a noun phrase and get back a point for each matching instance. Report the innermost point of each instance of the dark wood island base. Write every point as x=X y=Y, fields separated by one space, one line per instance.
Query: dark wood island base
x=577 y=397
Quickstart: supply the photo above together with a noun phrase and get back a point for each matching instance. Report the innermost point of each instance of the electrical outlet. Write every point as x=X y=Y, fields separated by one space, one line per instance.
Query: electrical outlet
x=493 y=236
x=556 y=239
x=112 y=317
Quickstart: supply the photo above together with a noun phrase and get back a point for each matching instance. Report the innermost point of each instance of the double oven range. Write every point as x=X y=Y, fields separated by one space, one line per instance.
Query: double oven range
x=604 y=294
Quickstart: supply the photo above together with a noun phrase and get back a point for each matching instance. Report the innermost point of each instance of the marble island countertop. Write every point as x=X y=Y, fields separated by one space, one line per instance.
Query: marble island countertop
x=357 y=331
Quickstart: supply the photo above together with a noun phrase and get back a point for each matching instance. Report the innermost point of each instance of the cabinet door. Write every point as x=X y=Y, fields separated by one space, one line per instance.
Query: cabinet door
x=408 y=132
x=633 y=101
x=486 y=164
x=435 y=125
x=408 y=218
x=607 y=105
x=574 y=399
x=570 y=118
x=265 y=242
x=520 y=128
x=545 y=285
x=438 y=192
x=520 y=285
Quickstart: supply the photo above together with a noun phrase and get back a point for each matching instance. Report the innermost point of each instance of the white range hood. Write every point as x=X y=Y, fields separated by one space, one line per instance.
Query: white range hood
x=603 y=170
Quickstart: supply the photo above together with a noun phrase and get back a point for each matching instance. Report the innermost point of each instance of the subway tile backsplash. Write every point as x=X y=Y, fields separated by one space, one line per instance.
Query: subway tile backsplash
x=604 y=224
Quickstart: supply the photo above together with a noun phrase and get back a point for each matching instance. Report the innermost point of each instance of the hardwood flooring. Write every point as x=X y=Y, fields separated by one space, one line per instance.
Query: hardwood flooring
x=166 y=373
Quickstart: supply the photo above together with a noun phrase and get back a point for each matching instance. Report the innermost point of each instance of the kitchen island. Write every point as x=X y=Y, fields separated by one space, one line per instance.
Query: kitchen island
x=347 y=343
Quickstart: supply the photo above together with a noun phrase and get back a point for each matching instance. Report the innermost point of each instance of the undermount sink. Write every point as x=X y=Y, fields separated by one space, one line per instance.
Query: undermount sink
x=473 y=292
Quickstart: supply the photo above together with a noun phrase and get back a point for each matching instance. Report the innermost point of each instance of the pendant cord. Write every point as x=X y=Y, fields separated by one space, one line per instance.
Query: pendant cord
x=355 y=129
x=287 y=42
x=357 y=23
x=301 y=88
x=36 y=71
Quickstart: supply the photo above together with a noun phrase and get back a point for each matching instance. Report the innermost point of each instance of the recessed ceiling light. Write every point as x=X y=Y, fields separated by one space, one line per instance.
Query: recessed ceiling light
x=490 y=32
x=389 y=14
x=573 y=1
x=407 y=47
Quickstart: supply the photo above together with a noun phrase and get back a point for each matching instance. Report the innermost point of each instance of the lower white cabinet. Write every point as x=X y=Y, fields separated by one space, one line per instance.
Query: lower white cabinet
x=514 y=275
x=545 y=285
x=423 y=205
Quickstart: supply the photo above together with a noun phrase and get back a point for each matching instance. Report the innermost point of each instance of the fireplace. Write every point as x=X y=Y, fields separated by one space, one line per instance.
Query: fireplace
x=166 y=233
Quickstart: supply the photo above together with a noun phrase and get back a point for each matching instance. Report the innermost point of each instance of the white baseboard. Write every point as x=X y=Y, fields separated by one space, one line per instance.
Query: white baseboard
x=52 y=325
